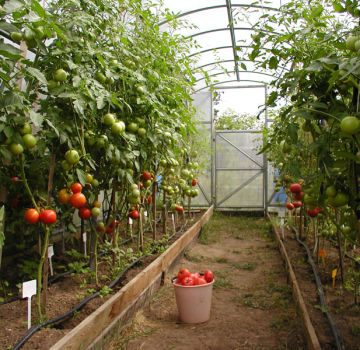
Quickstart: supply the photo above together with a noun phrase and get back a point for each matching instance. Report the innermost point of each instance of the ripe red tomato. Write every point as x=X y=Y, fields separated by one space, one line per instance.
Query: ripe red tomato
x=77 y=200
x=297 y=204
x=294 y=188
x=183 y=273
x=48 y=216
x=14 y=179
x=76 y=187
x=289 y=206
x=149 y=199
x=32 y=216
x=141 y=186
x=177 y=281
x=179 y=208
x=145 y=175
x=194 y=182
x=114 y=223
x=200 y=281
x=208 y=276
x=109 y=229
x=187 y=281
x=134 y=214
x=299 y=195
x=313 y=213
x=85 y=213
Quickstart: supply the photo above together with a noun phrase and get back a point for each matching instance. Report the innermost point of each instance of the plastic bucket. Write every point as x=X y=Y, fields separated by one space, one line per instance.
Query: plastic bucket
x=193 y=302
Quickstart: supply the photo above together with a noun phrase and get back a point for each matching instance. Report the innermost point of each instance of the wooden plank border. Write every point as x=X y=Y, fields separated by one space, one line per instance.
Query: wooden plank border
x=311 y=337
x=112 y=314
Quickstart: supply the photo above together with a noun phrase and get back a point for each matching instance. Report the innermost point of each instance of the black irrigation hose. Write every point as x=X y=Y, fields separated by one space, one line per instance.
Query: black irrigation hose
x=59 y=276
x=34 y=329
x=334 y=329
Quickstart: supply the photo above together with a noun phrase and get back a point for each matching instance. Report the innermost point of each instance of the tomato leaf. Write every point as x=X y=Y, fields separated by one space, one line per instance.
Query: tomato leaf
x=11 y=6
x=81 y=176
x=10 y=51
x=36 y=118
x=38 y=8
x=37 y=74
x=8 y=27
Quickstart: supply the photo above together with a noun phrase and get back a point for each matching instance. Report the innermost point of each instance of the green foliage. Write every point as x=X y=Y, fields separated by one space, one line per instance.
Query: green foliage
x=232 y=120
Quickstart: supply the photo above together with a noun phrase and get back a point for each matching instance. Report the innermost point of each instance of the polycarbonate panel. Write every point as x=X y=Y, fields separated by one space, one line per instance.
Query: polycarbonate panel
x=203 y=104
x=238 y=150
x=249 y=196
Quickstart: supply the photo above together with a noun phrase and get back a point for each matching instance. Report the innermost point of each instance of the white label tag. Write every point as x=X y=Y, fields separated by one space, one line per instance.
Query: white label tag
x=84 y=237
x=28 y=289
x=130 y=221
x=145 y=213
x=173 y=221
x=50 y=251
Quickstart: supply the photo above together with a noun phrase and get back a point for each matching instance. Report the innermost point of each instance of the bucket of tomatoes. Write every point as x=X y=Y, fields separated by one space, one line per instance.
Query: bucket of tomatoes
x=193 y=293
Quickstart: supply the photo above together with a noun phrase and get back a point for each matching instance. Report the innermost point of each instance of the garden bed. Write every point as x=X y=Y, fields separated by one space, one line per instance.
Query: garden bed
x=339 y=299
x=68 y=292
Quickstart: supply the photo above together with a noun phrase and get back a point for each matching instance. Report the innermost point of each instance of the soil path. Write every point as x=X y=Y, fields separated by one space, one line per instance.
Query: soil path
x=252 y=306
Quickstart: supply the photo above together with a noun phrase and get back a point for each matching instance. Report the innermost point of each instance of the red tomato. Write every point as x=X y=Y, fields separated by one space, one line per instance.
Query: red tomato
x=76 y=187
x=141 y=186
x=289 y=206
x=299 y=195
x=320 y=210
x=177 y=281
x=48 y=216
x=295 y=188
x=114 y=223
x=183 y=273
x=200 y=281
x=149 y=200
x=77 y=200
x=85 y=213
x=109 y=230
x=208 y=276
x=194 y=182
x=145 y=175
x=32 y=216
x=100 y=227
x=64 y=196
x=134 y=214
x=313 y=213
x=187 y=281
x=195 y=275
x=179 y=208
x=14 y=179
x=297 y=204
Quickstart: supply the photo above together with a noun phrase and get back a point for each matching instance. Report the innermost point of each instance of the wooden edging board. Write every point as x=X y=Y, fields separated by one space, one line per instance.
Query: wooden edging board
x=89 y=331
x=311 y=337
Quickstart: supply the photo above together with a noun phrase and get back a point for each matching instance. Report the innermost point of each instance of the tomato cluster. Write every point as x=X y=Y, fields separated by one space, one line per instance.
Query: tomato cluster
x=186 y=278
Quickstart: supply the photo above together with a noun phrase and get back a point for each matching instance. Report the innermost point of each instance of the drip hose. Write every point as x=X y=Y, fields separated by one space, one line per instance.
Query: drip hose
x=34 y=329
x=334 y=329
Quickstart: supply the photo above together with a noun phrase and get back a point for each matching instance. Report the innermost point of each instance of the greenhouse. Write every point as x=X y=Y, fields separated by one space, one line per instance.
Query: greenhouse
x=179 y=174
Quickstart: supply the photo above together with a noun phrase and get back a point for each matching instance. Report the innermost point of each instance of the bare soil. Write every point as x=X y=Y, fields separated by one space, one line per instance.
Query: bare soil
x=252 y=306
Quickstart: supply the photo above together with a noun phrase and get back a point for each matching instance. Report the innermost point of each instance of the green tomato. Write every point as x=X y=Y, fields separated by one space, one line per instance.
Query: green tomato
x=133 y=127
x=118 y=128
x=141 y=132
x=72 y=156
x=29 y=34
x=133 y=200
x=101 y=141
x=60 y=75
x=29 y=140
x=135 y=193
x=163 y=162
x=95 y=183
x=350 y=42
x=101 y=78
x=109 y=119
x=95 y=212
x=350 y=125
x=140 y=90
x=330 y=191
x=88 y=178
x=25 y=129
x=16 y=148
x=52 y=84
x=66 y=165
x=16 y=36
x=147 y=183
x=339 y=200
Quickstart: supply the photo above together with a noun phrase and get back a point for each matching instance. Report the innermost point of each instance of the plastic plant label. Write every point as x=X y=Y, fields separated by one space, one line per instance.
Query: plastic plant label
x=333 y=275
x=51 y=254
x=130 y=221
x=145 y=213
x=84 y=237
x=28 y=290
x=173 y=221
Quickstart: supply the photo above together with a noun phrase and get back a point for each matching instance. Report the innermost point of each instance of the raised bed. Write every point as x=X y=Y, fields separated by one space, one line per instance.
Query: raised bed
x=98 y=328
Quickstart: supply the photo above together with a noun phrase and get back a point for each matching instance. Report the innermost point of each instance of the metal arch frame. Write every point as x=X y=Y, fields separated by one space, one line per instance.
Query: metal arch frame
x=225 y=29
x=183 y=14
x=233 y=71
x=262 y=84
x=227 y=61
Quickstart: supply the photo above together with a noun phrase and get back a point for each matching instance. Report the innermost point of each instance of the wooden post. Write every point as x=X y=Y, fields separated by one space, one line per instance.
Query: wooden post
x=141 y=229
x=164 y=215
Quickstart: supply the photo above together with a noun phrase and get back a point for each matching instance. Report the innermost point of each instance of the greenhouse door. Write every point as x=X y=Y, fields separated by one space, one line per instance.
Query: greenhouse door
x=239 y=171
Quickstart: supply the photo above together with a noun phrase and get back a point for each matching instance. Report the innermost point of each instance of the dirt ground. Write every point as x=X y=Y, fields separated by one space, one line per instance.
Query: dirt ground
x=252 y=306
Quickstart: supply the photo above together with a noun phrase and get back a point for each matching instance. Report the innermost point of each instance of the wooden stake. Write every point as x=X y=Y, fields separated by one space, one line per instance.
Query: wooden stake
x=164 y=215
x=154 y=210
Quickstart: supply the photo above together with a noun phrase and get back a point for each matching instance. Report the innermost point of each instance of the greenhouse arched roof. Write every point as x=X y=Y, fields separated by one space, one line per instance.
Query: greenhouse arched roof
x=222 y=35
